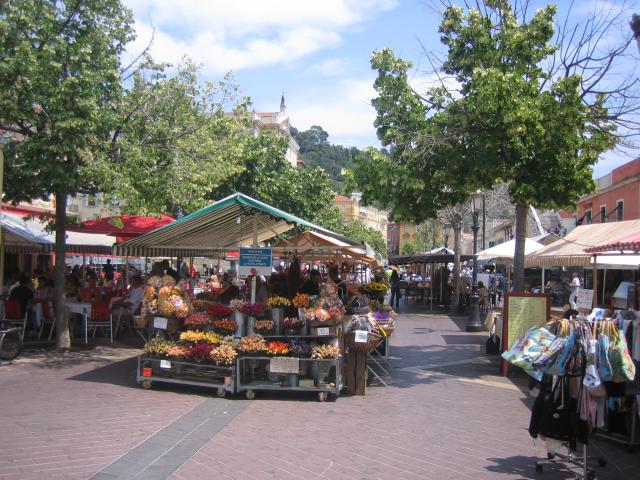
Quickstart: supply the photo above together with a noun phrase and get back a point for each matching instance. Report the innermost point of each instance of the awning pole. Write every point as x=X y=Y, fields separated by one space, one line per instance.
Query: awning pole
x=255 y=230
x=595 y=281
x=542 y=289
x=431 y=285
x=604 y=284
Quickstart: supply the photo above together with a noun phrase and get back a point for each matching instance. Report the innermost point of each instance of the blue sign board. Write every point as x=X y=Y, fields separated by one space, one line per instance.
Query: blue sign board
x=255 y=261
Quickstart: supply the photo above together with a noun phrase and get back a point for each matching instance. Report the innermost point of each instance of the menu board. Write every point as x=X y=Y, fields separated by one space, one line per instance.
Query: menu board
x=523 y=311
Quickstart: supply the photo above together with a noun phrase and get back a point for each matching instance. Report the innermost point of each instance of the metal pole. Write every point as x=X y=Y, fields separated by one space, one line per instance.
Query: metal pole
x=1 y=235
x=484 y=223
x=474 y=324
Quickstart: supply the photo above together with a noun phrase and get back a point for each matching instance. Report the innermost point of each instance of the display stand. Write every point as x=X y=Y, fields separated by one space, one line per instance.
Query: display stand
x=150 y=370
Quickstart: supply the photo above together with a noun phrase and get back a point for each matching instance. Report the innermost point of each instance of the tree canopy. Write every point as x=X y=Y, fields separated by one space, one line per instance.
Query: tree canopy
x=506 y=119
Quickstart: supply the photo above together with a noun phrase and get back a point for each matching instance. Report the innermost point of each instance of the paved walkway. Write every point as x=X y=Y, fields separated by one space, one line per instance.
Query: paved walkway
x=447 y=414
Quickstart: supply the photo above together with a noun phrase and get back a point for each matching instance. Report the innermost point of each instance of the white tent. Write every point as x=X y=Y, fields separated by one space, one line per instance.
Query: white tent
x=506 y=250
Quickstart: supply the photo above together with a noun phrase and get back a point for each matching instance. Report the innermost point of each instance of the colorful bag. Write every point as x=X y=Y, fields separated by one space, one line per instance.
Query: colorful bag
x=621 y=363
x=558 y=366
x=526 y=350
x=604 y=364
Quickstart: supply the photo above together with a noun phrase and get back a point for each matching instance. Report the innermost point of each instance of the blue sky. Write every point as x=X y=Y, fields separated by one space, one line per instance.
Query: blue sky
x=316 y=52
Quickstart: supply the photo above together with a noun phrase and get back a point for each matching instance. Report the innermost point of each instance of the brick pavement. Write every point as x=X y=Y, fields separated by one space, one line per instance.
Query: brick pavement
x=446 y=415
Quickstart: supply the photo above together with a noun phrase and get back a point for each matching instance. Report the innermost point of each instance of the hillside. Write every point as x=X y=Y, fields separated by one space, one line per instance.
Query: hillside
x=316 y=151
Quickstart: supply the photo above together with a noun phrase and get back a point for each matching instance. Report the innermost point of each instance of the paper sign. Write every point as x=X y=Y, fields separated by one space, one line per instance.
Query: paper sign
x=361 y=336
x=584 y=299
x=160 y=323
x=323 y=331
x=165 y=364
x=284 y=365
x=524 y=313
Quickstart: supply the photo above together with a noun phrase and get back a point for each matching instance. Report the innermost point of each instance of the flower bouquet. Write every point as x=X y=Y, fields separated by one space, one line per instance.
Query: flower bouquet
x=237 y=305
x=158 y=347
x=278 y=302
x=200 y=352
x=225 y=326
x=278 y=348
x=253 y=309
x=299 y=348
x=178 y=351
x=200 y=305
x=264 y=327
x=224 y=354
x=197 y=320
x=292 y=325
x=325 y=351
x=301 y=300
x=195 y=336
x=374 y=290
x=218 y=310
x=254 y=344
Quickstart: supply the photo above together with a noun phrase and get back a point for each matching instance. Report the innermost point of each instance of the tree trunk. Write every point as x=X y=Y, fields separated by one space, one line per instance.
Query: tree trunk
x=63 y=339
x=518 y=258
x=455 y=301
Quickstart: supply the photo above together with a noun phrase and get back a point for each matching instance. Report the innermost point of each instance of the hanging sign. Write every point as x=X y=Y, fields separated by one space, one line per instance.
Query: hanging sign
x=584 y=299
x=255 y=261
x=160 y=323
x=284 y=365
x=361 y=336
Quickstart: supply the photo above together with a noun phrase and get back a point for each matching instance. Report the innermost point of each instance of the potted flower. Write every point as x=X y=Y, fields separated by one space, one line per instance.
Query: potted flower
x=236 y=306
x=200 y=352
x=264 y=327
x=292 y=325
x=196 y=320
x=277 y=306
x=252 y=310
x=225 y=326
x=321 y=369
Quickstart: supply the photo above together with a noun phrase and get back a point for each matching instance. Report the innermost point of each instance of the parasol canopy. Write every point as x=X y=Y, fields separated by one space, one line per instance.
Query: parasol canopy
x=507 y=250
x=124 y=227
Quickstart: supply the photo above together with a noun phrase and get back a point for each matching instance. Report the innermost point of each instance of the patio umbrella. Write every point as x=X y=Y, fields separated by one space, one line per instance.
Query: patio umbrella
x=506 y=250
x=123 y=227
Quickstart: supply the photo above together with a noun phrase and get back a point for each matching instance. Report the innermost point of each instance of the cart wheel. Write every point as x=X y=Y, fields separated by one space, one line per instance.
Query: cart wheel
x=250 y=394
x=323 y=396
x=538 y=467
x=146 y=384
x=221 y=392
x=602 y=461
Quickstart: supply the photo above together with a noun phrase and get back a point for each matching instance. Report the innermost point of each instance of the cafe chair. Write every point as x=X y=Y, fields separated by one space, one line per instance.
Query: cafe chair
x=100 y=318
x=48 y=317
x=13 y=315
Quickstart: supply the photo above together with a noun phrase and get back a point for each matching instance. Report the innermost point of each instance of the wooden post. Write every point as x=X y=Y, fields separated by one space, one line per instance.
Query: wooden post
x=356 y=377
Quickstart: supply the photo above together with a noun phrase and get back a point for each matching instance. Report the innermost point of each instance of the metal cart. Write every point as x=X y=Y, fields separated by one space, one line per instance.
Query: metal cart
x=322 y=376
x=180 y=372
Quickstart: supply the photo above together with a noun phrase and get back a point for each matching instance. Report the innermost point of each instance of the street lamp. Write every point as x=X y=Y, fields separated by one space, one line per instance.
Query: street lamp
x=474 y=325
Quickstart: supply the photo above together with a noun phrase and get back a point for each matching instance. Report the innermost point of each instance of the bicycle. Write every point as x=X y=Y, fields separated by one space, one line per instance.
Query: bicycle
x=10 y=341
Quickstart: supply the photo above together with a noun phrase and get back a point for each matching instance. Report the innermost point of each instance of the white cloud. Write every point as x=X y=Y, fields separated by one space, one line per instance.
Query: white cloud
x=225 y=35
x=330 y=67
x=345 y=112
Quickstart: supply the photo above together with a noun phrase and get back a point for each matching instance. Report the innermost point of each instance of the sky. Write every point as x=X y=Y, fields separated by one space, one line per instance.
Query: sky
x=316 y=52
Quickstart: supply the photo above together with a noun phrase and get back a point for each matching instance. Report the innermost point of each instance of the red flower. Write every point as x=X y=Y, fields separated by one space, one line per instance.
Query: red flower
x=218 y=310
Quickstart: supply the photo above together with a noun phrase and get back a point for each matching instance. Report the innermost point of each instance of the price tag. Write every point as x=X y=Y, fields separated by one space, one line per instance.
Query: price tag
x=160 y=323
x=165 y=364
x=284 y=365
x=323 y=331
x=361 y=336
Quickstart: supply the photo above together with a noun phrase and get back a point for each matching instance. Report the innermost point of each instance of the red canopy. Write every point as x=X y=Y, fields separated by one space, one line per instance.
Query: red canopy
x=124 y=227
x=629 y=243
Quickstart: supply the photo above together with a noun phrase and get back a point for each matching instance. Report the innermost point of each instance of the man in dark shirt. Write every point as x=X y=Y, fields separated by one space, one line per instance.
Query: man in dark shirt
x=22 y=293
x=312 y=286
x=108 y=270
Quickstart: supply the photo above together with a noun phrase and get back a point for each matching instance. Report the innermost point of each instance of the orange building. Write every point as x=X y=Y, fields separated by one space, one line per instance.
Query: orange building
x=617 y=196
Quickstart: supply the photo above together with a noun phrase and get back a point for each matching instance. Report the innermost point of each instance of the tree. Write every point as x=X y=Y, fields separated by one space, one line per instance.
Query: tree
x=356 y=230
x=175 y=143
x=316 y=151
x=515 y=117
x=60 y=77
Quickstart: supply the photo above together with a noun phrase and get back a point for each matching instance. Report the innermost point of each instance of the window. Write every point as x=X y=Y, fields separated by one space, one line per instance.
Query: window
x=587 y=217
x=620 y=210
x=603 y=214
x=91 y=201
x=73 y=208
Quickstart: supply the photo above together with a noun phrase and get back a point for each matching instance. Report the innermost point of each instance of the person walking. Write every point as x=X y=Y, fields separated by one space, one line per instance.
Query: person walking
x=575 y=288
x=395 y=289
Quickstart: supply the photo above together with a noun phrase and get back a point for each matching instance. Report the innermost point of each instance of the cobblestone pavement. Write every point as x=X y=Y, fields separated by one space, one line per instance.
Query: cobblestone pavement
x=446 y=414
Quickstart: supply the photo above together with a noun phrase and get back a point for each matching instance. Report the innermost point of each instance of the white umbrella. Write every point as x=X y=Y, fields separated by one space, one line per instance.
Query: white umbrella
x=506 y=250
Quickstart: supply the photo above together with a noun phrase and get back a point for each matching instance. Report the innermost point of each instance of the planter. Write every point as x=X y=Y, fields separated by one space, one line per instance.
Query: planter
x=291 y=380
x=264 y=332
x=319 y=372
x=239 y=318
x=277 y=315
x=251 y=321
x=302 y=315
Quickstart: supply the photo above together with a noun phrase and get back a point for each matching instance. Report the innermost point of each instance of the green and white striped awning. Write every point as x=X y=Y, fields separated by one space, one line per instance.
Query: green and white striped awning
x=228 y=224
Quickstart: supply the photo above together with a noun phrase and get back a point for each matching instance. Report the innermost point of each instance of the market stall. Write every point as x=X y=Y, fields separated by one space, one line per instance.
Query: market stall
x=289 y=343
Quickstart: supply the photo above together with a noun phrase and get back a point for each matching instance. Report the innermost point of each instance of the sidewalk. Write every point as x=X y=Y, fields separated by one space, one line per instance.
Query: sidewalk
x=447 y=414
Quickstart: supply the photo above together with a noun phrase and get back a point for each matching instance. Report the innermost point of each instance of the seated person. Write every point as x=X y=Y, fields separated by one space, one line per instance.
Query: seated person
x=22 y=293
x=129 y=304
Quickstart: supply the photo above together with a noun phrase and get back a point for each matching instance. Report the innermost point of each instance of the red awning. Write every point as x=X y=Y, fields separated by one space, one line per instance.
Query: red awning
x=630 y=242
x=124 y=227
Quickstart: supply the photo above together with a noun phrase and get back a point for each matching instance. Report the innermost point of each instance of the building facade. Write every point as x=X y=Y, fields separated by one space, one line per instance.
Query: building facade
x=398 y=234
x=351 y=209
x=278 y=122
x=617 y=196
